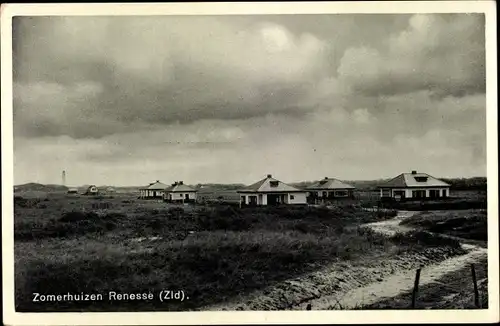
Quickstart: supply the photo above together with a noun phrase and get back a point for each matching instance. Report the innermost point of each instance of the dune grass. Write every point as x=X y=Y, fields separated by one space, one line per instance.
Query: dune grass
x=211 y=253
x=469 y=224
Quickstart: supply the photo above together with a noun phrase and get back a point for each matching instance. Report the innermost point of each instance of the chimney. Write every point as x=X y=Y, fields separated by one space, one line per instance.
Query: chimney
x=269 y=175
x=181 y=182
x=413 y=172
x=157 y=180
x=326 y=178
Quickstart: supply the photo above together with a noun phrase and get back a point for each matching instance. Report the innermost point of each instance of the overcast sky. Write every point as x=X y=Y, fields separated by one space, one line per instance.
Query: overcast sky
x=229 y=99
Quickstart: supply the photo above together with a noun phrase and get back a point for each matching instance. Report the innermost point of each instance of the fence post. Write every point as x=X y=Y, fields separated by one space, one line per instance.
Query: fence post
x=415 y=289
x=476 y=292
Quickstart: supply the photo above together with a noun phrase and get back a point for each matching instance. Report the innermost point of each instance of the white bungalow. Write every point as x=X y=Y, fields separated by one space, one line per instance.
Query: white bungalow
x=179 y=192
x=270 y=191
x=92 y=190
x=329 y=189
x=407 y=186
x=153 y=190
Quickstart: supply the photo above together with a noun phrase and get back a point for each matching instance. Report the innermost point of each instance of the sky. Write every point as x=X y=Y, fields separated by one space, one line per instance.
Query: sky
x=126 y=101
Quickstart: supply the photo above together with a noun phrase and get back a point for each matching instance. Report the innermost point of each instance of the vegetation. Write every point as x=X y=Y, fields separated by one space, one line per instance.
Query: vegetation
x=424 y=238
x=469 y=224
x=477 y=183
x=434 y=205
x=211 y=252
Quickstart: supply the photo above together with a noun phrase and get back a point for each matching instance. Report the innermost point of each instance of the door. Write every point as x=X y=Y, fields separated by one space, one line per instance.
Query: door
x=252 y=200
x=187 y=196
x=272 y=199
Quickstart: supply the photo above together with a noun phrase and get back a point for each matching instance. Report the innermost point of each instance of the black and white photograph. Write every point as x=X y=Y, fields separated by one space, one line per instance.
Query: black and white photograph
x=196 y=160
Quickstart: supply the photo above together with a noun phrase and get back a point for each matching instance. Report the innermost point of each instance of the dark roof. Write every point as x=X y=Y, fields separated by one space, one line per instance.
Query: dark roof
x=330 y=183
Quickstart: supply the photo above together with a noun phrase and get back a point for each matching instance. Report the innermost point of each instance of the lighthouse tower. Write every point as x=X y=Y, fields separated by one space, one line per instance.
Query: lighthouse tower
x=64 y=178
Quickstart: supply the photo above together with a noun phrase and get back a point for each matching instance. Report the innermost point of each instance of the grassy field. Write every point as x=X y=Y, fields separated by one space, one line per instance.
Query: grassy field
x=63 y=243
x=469 y=224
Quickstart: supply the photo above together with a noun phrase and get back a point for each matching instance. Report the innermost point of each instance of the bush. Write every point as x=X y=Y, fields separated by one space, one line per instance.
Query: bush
x=76 y=216
x=463 y=223
x=222 y=218
x=25 y=203
x=444 y=204
x=176 y=211
x=425 y=239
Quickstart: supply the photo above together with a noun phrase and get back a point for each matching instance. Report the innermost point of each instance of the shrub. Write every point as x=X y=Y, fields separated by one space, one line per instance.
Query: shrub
x=20 y=201
x=222 y=218
x=176 y=211
x=424 y=238
x=75 y=216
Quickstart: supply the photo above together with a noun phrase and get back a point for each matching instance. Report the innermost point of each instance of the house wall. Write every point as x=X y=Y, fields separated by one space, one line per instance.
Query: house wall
x=181 y=195
x=146 y=193
x=331 y=193
x=261 y=198
x=298 y=198
x=409 y=191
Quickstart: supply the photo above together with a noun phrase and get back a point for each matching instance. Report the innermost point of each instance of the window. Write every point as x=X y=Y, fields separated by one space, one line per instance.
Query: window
x=418 y=193
x=292 y=197
x=341 y=193
x=273 y=183
x=399 y=193
x=322 y=182
x=434 y=193
x=421 y=179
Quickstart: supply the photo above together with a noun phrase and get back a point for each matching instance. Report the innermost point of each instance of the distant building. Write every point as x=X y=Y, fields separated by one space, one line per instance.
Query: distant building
x=329 y=189
x=179 y=192
x=414 y=185
x=92 y=190
x=153 y=190
x=72 y=191
x=270 y=191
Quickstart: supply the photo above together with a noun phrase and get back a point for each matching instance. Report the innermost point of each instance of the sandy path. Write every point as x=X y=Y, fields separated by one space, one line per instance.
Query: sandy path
x=387 y=287
x=394 y=285
x=399 y=282
x=392 y=226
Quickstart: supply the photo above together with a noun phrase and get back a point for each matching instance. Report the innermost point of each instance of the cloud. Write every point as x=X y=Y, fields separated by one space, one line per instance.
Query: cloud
x=441 y=53
x=165 y=70
x=224 y=99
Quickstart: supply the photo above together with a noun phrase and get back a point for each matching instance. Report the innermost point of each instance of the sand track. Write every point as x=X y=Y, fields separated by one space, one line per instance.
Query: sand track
x=349 y=291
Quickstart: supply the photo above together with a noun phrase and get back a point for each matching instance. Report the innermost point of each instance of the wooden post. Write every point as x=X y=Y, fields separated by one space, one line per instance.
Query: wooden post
x=415 y=289
x=476 y=292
